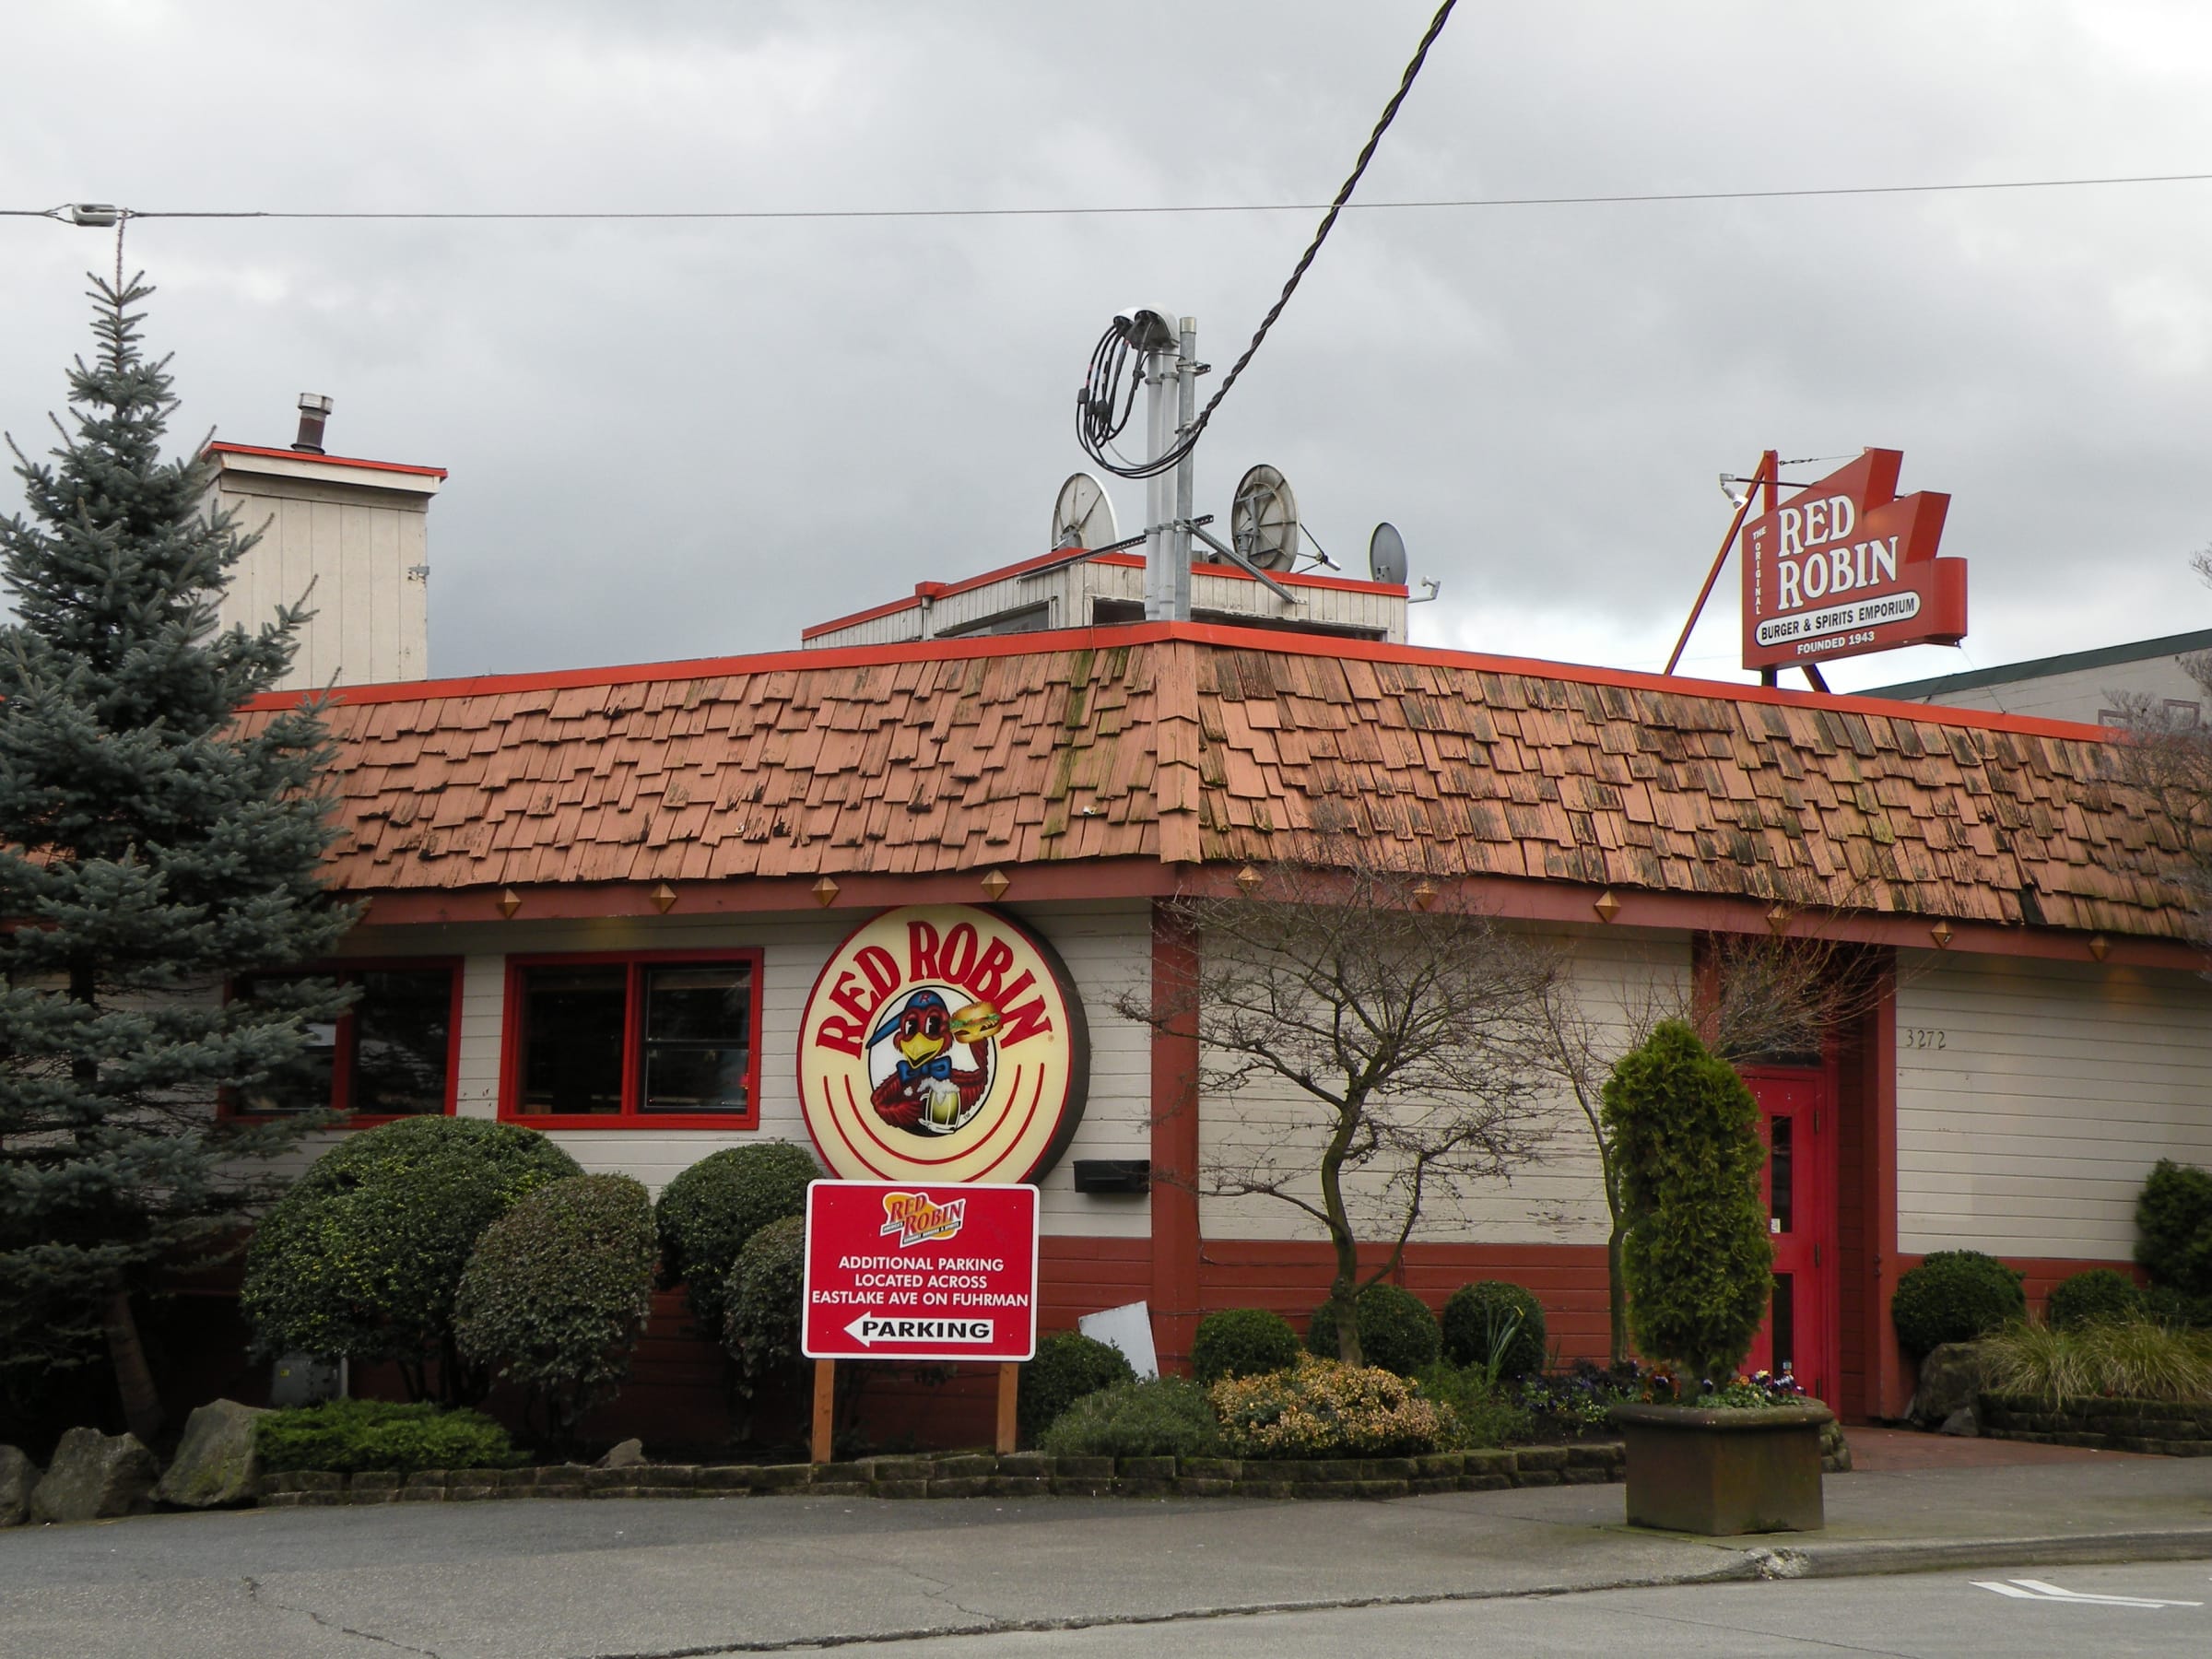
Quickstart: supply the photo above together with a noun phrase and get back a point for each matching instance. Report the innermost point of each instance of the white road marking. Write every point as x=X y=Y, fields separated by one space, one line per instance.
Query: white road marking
x=2037 y=1590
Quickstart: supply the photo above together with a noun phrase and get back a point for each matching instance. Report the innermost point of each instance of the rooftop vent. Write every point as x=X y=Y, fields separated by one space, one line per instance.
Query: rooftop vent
x=314 y=413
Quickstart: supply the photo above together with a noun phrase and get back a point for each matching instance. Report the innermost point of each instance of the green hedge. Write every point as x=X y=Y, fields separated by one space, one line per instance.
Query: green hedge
x=352 y=1435
x=363 y=1255
x=1243 y=1342
x=557 y=1292
x=1954 y=1296
x=763 y=1305
x=1165 y=1417
x=1396 y=1330
x=1494 y=1321
x=1068 y=1365
x=709 y=1213
x=2088 y=1298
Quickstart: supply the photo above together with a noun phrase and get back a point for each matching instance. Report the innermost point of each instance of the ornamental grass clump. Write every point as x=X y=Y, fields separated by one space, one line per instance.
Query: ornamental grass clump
x=1326 y=1409
x=1243 y=1342
x=1697 y=1258
x=556 y=1295
x=348 y=1436
x=2131 y=1359
x=1162 y=1417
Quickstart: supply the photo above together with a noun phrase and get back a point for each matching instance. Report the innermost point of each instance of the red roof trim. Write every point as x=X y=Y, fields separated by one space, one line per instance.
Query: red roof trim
x=1124 y=561
x=290 y=454
x=1201 y=633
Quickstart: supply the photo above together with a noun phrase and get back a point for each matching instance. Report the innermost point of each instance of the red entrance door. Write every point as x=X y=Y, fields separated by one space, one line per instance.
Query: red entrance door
x=1797 y=1119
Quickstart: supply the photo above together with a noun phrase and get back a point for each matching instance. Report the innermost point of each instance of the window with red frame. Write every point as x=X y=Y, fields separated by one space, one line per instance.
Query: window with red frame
x=389 y=1055
x=667 y=1040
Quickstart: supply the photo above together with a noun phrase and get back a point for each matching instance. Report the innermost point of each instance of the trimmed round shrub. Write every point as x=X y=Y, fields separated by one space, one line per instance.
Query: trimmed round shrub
x=1493 y=1321
x=1396 y=1330
x=708 y=1212
x=764 y=1303
x=557 y=1292
x=1162 y=1417
x=1326 y=1409
x=352 y=1435
x=1954 y=1296
x=2101 y=1295
x=1069 y=1366
x=1243 y=1342
x=363 y=1255
x=2161 y=1304
x=2173 y=1217
x=1696 y=1256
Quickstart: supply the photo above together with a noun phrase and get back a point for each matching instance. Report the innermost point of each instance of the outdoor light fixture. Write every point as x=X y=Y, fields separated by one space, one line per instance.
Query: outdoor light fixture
x=995 y=885
x=1424 y=894
x=1606 y=905
x=2101 y=946
x=1249 y=880
x=1941 y=934
x=509 y=901
x=663 y=898
x=1778 y=921
x=825 y=892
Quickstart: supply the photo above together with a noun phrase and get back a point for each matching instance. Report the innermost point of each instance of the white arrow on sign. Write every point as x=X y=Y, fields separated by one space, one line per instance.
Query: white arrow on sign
x=2036 y=1590
x=872 y=1328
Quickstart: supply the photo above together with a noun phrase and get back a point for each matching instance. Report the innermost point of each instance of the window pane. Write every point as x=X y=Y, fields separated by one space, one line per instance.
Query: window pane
x=572 y=1039
x=303 y=1084
x=402 y=1028
x=698 y=1038
x=1780 y=1174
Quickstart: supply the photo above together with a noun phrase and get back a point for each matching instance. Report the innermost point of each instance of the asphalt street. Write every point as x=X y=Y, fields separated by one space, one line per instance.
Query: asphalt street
x=1946 y=1616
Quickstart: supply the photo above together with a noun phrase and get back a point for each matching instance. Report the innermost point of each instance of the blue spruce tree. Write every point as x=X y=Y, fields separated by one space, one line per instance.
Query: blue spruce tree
x=151 y=849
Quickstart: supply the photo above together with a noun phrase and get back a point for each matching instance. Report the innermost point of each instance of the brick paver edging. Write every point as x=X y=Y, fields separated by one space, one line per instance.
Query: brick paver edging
x=981 y=1475
x=2156 y=1425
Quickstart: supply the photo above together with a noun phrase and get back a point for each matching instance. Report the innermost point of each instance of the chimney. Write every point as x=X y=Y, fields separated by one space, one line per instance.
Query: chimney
x=314 y=413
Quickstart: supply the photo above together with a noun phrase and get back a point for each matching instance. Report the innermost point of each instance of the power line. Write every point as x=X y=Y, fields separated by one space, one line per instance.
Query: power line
x=1422 y=205
x=1095 y=426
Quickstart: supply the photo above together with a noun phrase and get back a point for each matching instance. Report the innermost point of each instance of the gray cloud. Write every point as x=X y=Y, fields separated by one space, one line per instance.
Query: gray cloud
x=685 y=440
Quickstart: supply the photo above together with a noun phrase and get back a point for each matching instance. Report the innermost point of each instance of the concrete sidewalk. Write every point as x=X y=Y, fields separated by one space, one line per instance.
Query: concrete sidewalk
x=657 y=1578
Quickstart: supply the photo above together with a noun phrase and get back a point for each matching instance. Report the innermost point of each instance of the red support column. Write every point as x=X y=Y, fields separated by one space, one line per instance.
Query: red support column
x=1174 y=1143
x=1887 y=1386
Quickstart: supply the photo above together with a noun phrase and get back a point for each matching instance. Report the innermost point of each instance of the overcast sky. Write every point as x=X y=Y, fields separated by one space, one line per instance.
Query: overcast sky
x=671 y=441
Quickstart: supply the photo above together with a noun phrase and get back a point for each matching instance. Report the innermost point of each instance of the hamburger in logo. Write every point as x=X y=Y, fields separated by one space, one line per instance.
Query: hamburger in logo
x=942 y=1042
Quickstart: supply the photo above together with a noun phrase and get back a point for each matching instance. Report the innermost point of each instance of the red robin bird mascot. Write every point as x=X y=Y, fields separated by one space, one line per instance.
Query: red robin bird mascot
x=927 y=1092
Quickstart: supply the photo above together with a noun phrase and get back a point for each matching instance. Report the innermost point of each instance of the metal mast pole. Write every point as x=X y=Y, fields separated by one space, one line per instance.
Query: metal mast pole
x=1159 y=494
x=1186 y=400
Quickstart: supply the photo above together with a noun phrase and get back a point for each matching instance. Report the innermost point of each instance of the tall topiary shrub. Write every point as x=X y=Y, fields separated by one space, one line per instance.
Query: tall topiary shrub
x=1243 y=1342
x=2173 y=1217
x=708 y=1212
x=556 y=1293
x=1954 y=1296
x=1396 y=1330
x=762 y=1306
x=1699 y=1268
x=363 y=1256
x=1494 y=1324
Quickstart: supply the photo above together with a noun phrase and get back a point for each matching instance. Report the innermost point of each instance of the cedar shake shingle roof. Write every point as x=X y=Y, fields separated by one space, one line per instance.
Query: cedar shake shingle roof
x=1187 y=743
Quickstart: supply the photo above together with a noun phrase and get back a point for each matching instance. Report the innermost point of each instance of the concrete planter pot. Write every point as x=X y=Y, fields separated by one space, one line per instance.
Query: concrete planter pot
x=1721 y=1472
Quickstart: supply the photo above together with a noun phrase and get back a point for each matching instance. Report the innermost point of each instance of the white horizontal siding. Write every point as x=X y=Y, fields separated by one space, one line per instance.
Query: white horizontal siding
x=2057 y=1087
x=1622 y=982
x=1106 y=947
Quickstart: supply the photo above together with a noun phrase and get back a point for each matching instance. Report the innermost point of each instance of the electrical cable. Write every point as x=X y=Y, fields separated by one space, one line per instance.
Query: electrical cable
x=1422 y=205
x=1097 y=422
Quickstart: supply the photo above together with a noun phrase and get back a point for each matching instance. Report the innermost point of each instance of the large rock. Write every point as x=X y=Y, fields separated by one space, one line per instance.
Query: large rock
x=627 y=1455
x=1950 y=1381
x=18 y=1476
x=94 y=1476
x=216 y=1463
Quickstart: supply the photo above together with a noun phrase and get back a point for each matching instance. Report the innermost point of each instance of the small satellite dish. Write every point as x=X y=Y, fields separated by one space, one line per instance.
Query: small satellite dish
x=1386 y=555
x=1262 y=519
x=1082 y=516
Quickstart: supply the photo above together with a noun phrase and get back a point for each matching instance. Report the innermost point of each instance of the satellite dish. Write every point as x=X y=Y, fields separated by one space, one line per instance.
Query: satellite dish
x=1386 y=555
x=1262 y=519
x=1082 y=516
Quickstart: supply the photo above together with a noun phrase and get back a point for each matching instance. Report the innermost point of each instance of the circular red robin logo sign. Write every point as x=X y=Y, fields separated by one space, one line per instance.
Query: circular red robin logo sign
x=943 y=1042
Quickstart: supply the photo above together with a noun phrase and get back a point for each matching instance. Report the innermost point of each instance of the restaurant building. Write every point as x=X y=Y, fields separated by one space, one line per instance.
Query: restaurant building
x=602 y=903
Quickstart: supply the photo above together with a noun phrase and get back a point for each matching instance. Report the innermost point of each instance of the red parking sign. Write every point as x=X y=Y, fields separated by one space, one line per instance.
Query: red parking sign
x=898 y=1270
